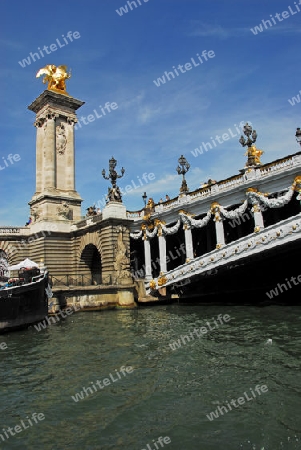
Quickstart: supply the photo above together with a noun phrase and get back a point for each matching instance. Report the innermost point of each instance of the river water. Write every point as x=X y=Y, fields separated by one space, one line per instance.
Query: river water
x=146 y=389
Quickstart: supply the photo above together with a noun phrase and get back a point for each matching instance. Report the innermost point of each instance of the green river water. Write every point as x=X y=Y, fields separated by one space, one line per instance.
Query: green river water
x=161 y=392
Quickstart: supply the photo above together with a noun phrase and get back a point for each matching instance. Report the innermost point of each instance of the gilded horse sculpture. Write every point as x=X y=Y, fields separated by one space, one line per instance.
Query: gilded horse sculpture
x=55 y=76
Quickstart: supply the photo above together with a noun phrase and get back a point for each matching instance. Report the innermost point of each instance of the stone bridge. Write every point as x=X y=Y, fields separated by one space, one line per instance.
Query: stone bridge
x=221 y=224
x=228 y=224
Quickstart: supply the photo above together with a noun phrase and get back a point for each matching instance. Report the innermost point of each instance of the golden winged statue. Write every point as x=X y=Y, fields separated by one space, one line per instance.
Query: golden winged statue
x=55 y=76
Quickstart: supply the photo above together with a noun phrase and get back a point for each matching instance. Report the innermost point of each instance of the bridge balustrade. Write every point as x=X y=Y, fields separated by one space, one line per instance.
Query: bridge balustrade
x=257 y=174
x=166 y=247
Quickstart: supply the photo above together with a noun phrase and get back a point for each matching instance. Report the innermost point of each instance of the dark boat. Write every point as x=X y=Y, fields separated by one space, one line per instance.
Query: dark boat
x=24 y=299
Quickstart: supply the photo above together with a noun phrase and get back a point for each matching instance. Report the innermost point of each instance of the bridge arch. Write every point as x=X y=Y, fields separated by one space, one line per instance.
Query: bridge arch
x=3 y=264
x=89 y=261
x=10 y=251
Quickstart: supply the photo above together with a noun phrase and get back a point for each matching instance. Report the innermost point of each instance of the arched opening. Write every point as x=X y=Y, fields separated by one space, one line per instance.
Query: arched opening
x=137 y=258
x=4 y=272
x=90 y=264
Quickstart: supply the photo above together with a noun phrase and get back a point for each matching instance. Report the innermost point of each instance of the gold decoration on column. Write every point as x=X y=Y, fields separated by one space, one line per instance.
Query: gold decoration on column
x=149 y=209
x=152 y=285
x=253 y=153
x=215 y=209
x=162 y=279
x=256 y=208
x=143 y=228
x=158 y=223
x=55 y=76
x=297 y=184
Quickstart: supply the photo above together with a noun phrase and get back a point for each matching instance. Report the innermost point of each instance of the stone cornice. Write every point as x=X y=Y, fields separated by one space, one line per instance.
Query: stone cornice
x=56 y=196
x=55 y=100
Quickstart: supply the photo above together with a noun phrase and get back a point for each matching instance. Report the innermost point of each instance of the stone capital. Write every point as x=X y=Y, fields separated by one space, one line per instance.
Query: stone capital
x=51 y=115
x=40 y=122
x=71 y=120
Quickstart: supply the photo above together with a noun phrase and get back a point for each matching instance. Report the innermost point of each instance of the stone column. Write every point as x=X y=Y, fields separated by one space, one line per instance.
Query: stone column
x=50 y=153
x=258 y=218
x=188 y=242
x=219 y=226
x=162 y=253
x=70 y=169
x=220 y=235
x=147 y=259
x=39 y=154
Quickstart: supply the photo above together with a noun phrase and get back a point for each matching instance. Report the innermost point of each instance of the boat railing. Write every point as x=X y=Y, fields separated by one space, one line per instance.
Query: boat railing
x=37 y=277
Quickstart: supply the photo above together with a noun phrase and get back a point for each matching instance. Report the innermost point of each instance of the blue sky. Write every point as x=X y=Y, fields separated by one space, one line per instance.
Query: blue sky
x=118 y=57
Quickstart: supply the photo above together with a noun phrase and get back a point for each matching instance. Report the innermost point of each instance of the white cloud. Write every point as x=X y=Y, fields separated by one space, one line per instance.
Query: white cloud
x=209 y=30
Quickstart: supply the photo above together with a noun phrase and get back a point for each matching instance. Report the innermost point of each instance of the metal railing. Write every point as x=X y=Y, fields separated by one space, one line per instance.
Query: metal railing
x=79 y=280
x=71 y=280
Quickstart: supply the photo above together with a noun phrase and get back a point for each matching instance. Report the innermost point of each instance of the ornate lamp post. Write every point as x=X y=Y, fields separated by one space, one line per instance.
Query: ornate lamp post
x=253 y=153
x=298 y=136
x=248 y=131
x=144 y=197
x=182 y=169
x=114 y=194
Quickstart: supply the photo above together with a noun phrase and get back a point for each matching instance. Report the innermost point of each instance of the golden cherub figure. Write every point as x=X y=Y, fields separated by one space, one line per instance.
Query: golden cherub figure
x=55 y=76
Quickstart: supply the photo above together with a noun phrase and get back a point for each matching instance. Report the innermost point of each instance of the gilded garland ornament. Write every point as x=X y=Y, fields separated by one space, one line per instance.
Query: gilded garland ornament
x=253 y=197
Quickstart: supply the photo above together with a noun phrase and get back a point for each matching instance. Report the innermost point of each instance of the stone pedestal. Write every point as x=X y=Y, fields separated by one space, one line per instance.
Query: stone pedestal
x=116 y=250
x=126 y=297
x=114 y=210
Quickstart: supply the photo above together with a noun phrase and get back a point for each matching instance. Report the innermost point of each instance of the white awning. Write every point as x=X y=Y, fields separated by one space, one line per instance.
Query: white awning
x=25 y=263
